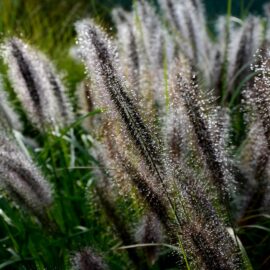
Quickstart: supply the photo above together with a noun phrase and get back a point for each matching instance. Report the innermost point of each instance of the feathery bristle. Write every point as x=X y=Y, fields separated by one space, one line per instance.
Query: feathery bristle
x=36 y=84
x=202 y=213
x=258 y=93
x=87 y=259
x=108 y=198
x=150 y=232
x=203 y=127
x=245 y=42
x=256 y=99
x=207 y=250
x=22 y=180
x=187 y=20
x=99 y=60
x=154 y=200
x=128 y=48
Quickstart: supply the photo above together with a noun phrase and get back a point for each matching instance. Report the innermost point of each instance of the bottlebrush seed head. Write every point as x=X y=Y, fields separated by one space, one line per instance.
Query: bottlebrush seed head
x=36 y=84
x=22 y=180
x=99 y=59
x=87 y=259
x=150 y=232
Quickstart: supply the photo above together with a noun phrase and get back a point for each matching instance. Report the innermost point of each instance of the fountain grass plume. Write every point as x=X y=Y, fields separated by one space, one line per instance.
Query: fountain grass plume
x=150 y=231
x=128 y=47
x=186 y=19
x=63 y=106
x=204 y=248
x=121 y=165
x=99 y=59
x=254 y=163
x=174 y=13
x=256 y=99
x=179 y=139
x=36 y=84
x=86 y=103
x=247 y=40
x=22 y=180
x=258 y=92
x=208 y=221
x=107 y=196
x=24 y=79
x=257 y=103
x=200 y=118
x=155 y=201
x=87 y=259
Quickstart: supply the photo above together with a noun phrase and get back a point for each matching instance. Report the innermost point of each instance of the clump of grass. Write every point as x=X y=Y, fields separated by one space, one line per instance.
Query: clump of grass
x=149 y=168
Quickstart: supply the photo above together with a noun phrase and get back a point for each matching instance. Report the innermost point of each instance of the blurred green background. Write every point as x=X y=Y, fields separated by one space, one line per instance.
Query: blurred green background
x=48 y=24
x=239 y=7
x=36 y=18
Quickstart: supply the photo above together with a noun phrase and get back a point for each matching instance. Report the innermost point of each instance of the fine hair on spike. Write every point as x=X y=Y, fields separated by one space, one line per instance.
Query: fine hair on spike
x=150 y=232
x=138 y=131
x=211 y=257
x=109 y=204
x=87 y=259
x=257 y=100
x=98 y=58
x=128 y=46
x=242 y=49
x=22 y=180
x=57 y=87
x=195 y=110
x=25 y=83
x=36 y=84
x=154 y=201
